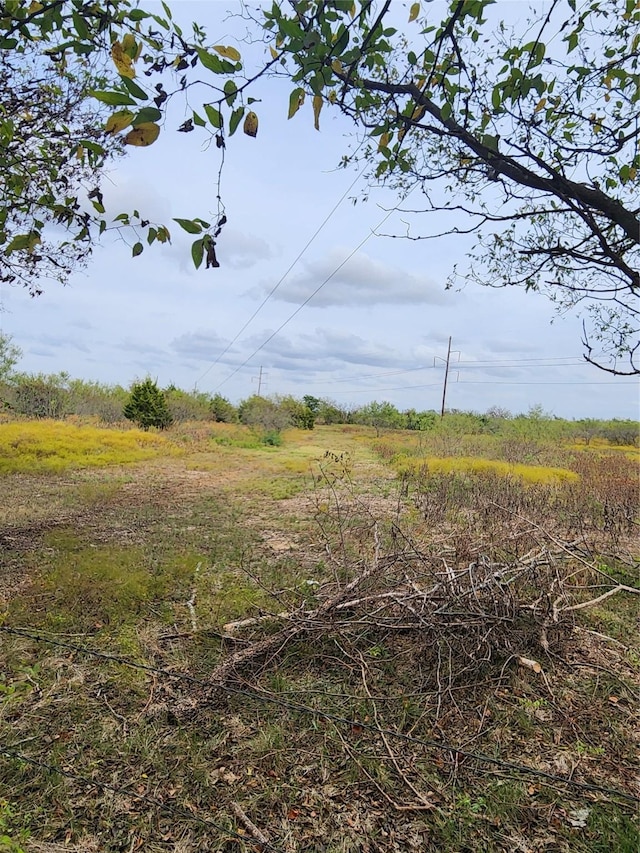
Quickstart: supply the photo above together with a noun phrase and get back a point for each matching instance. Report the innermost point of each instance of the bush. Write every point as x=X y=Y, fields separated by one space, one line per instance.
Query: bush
x=188 y=406
x=38 y=395
x=147 y=406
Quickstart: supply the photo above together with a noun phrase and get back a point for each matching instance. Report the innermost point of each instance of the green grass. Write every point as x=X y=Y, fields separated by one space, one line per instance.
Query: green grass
x=109 y=561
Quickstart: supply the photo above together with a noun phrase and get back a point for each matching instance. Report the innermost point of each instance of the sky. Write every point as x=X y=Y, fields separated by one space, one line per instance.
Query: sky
x=310 y=296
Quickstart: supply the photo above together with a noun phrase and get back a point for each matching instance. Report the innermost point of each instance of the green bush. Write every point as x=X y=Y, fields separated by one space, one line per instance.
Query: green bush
x=147 y=406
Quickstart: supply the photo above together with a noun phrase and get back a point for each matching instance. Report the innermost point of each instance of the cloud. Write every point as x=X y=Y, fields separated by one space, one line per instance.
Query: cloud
x=203 y=345
x=64 y=343
x=362 y=281
x=143 y=348
x=329 y=350
x=240 y=251
x=510 y=345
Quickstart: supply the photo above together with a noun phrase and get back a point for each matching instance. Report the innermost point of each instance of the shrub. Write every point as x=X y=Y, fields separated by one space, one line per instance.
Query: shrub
x=38 y=395
x=147 y=406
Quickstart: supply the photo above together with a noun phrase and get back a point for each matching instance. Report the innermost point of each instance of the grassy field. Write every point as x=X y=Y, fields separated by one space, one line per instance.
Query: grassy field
x=343 y=643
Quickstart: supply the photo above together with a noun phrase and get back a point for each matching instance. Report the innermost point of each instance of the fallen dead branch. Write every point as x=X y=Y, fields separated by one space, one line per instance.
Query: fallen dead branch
x=250 y=826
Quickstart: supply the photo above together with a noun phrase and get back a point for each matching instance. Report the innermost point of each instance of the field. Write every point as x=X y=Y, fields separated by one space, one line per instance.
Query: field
x=349 y=642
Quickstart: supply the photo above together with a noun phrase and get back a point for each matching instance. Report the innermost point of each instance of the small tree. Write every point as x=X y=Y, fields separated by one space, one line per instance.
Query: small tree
x=10 y=355
x=147 y=406
x=222 y=410
x=380 y=416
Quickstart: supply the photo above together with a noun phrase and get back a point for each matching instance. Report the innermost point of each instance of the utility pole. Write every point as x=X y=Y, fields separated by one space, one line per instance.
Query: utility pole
x=446 y=374
x=259 y=378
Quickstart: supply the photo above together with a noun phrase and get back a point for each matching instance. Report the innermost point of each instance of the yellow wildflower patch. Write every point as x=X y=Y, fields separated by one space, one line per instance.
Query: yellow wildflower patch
x=52 y=446
x=476 y=465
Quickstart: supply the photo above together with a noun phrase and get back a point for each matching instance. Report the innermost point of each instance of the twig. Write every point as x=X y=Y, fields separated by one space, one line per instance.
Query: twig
x=605 y=595
x=191 y=602
x=249 y=825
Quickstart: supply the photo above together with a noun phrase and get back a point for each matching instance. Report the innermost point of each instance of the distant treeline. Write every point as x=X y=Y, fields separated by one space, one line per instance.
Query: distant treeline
x=58 y=396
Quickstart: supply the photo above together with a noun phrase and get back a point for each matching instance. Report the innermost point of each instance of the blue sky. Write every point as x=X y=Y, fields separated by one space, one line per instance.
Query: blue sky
x=377 y=329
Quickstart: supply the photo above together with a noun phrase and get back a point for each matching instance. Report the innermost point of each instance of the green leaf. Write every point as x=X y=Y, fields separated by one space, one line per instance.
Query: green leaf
x=230 y=90
x=114 y=99
x=146 y=114
x=81 y=25
x=197 y=252
x=296 y=100
x=211 y=62
x=234 y=121
x=137 y=15
x=189 y=225
x=198 y=120
x=137 y=250
x=134 y=89
x=23 y=241
x=214 y=116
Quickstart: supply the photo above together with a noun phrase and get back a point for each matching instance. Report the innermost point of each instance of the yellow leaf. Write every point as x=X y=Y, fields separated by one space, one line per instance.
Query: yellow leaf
x=130 y=46
x=414 y=12
x=228 y=52
x=384 y=141
x=122 y=61
x=250 y=126
x=333 y=97
x=418 y=113
x=336 y=65
x=34 y=7
x=118 y=121
x=632 y=173
x=142 y=135
x=540 y=105
x=273 y=52
x=352 y=11
x=317 y=106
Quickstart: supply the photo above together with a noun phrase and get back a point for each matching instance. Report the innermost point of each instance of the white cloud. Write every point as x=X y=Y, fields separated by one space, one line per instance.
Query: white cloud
x=361 y=281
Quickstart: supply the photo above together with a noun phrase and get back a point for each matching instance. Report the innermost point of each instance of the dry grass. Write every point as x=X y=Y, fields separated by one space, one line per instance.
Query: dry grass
x=150 y=561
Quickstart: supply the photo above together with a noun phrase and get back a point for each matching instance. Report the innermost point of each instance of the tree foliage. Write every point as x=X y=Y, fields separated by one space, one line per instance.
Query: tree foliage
x=10 y=355
x=147 y=406
x=79 y=82
x=526 y=137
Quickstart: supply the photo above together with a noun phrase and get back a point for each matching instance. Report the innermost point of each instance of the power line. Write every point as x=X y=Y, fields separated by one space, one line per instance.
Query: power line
x=284 y=276
x=396 y=388
x=551 y=382
x=309 y=298
x=462 y=364
x=261 y=695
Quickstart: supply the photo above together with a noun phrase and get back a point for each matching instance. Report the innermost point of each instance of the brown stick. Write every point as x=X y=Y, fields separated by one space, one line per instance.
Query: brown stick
x=605 y=595
x=249 y=825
